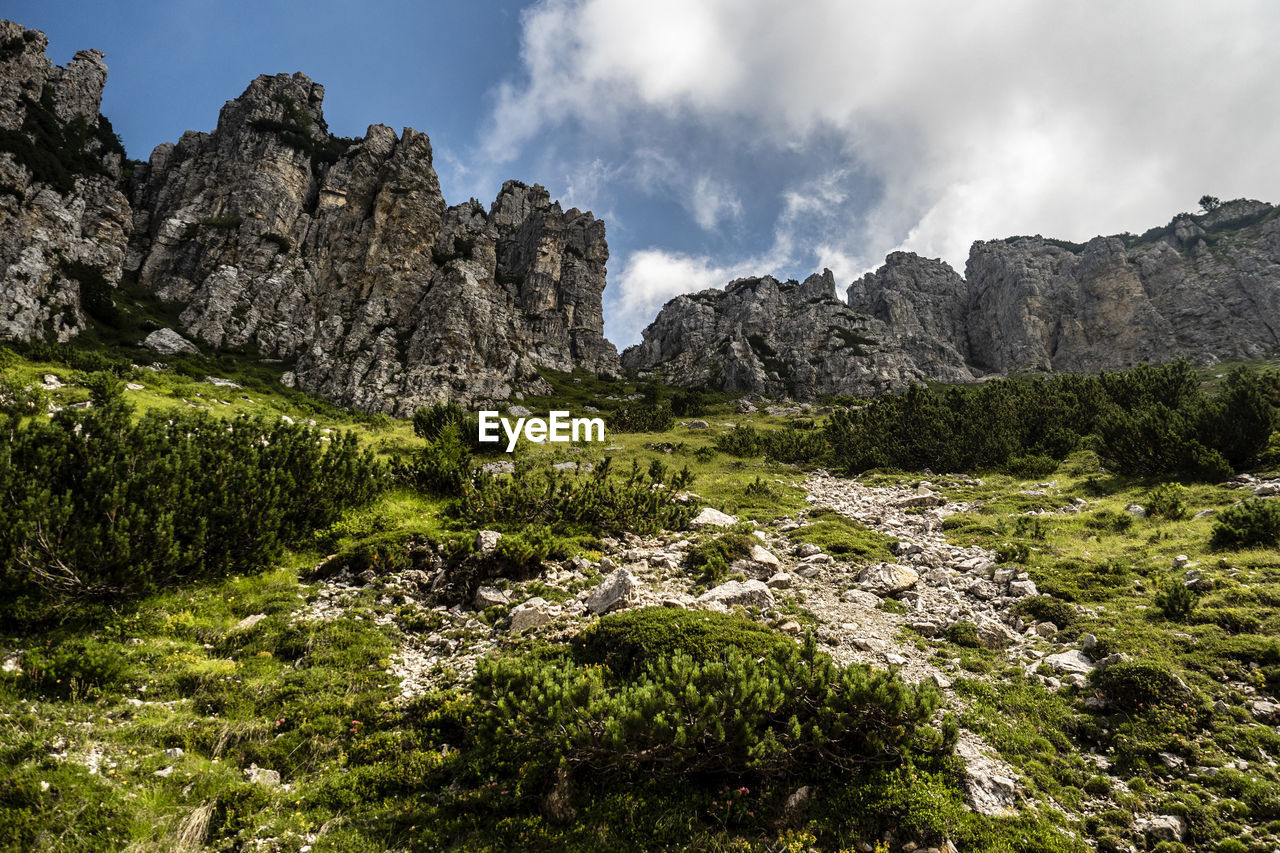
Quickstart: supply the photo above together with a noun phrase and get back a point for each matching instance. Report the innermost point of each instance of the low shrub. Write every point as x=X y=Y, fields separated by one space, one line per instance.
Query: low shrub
x=793 y=711
x=597 y=503
x=1046 y=608
x=102 y=505
x=689 y=404
x=1168 y=500
x=1255 y=523
x=710 y=558
x=1136 y=684
x=1175 y=599
x=964 y=634
x=625 y=642
x=640 y=417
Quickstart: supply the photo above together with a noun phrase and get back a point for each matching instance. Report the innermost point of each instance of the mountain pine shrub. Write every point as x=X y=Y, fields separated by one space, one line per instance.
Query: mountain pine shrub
x=1148 y=421
x=640 y=416
x=1167 y=500
x=792 y=711
x=1255 y=523
x=1175 y=599
x=597 y=503
x=100 y=503
x=1135 y=685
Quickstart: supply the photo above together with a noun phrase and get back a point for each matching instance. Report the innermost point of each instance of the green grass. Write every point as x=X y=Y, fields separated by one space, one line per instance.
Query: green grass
x=313 y=701
x=844 y=538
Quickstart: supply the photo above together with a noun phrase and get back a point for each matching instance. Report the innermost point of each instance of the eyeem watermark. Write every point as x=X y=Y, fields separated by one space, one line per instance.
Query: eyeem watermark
x=558 y=427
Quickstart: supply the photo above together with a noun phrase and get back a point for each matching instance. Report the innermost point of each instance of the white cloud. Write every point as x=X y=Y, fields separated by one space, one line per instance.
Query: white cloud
x=713 y=200
x=977 y=120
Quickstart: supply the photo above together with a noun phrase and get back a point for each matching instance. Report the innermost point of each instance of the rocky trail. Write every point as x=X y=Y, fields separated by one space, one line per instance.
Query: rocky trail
x=935 y=584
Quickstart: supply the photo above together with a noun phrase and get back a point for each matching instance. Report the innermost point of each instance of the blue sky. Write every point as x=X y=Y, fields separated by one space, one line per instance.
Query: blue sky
x=722 y=138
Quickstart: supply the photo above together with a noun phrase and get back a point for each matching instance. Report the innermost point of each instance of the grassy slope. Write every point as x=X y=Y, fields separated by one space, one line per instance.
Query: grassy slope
x=312 y=700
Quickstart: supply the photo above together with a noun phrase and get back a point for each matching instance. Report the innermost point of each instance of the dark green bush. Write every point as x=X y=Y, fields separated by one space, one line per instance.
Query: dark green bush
x=963 y=634
x=102 y=504
x=787 y=712
x=691 y=403
x=1175 y=599
x=443 y=467
x=1255 y=523
x=1046 y=608
x=640 y=417
x=742 y=440
x=596 y=503
x=1136 y=684
x=1168 y=500
x=710 y=559
x=1032 y=466
x=625 y=642
x=1152 y=420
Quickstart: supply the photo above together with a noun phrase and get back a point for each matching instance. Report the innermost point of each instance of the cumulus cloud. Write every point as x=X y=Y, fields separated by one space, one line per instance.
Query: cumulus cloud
x=977 y=120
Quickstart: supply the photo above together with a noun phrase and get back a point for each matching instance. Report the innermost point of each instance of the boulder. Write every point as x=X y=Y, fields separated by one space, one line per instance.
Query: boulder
x=1073 y=661
x=617 y=589
x=1165 y=827
x=260 y=776
x=531 y=614
x=752 y=593
x=487 y=540
x=487 y=596
x=710 y=517
x=887 y=579
x=169 y=342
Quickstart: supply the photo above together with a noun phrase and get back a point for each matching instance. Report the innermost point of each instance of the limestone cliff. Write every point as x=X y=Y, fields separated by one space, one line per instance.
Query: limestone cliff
x=1205 y=286
x=778 y=338
x=63 y=220
x=275 y=237
x=343 y=255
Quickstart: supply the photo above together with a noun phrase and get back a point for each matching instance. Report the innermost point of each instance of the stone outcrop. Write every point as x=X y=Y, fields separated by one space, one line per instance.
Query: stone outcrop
x=764 y=336
x=63 y=220
x=343 y=255
x=277 y=238
x=1205 y=286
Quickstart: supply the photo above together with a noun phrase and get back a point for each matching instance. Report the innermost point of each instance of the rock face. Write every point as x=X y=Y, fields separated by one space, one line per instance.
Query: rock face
x=277 y=237
x=1207 y=287
x=343 y=254
x=762 y=336
x=63 y=221
x=1204 y=286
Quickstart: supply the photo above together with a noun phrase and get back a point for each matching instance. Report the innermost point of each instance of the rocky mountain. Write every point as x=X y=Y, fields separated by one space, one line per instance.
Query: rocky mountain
x=274 y=236
x=777 y=338
x=1205 y=286
x=63 y=219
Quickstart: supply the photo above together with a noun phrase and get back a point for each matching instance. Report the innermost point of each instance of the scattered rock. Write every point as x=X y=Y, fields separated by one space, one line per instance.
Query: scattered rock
x=261 y=776
x=487 y=596
x=887 y=579
x=531 y=614
x=752 y=593
x=617 y=589
x=1073 y=661
x=1136 y=511
x=487 y=540
x=248 y=622
x=1165 y=827
x=713 y=518
x=781 y=580
x=168 y=342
